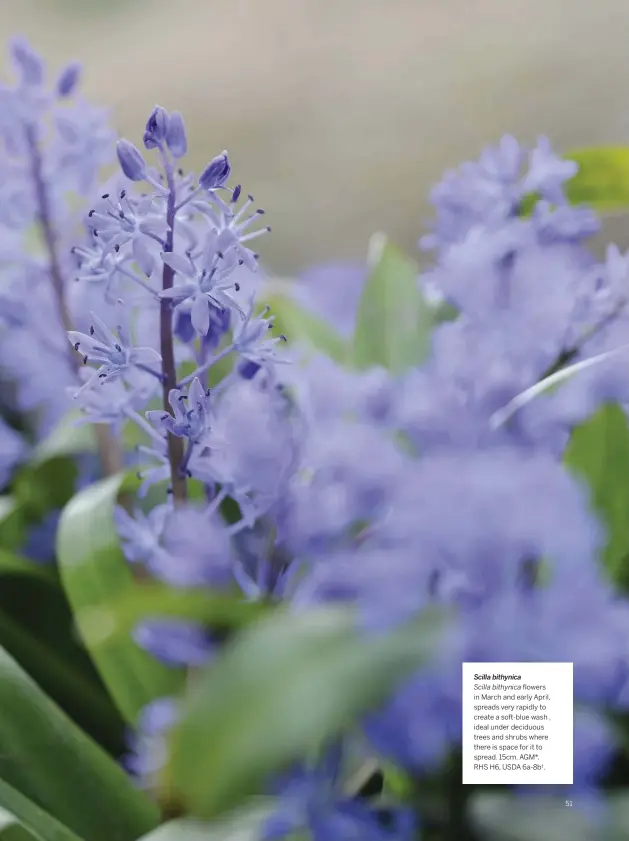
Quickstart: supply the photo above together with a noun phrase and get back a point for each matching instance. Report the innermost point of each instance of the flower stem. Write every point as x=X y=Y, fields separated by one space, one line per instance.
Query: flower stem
x=108 y=449
x=175 y=445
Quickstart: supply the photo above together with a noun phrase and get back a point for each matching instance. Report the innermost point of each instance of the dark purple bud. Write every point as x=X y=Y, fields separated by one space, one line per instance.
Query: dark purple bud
x=216 y=172
x=247 y=369
x=68 y=79
x=29 y=64
x=176 y=135
x=131 y=160
x=156 y=127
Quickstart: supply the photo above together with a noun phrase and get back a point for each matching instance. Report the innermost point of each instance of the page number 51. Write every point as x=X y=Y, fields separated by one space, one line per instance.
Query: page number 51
x=568 y=802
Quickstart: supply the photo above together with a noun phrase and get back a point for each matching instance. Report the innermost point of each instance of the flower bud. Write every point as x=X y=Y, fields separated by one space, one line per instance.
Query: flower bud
x=68 y=79
x=29 y=64
x=176 y=135
x=131 y=161
x=216 y=172
x=156 y=127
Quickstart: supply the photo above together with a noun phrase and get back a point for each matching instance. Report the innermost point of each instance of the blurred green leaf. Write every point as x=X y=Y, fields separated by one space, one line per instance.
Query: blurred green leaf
x=394 y=322
x=12 y=523
x=598 y=452
x=104 y=626
x=45 y=757
x=243 y=825
x=603 y=177
x=12 y=830
x=67 y=439
x=47 y=648
x=45 y=486
x=285 y=685
x=95 y=573
x=299 y=325
x=12 y=563
x=39 y=823
x=504 y=818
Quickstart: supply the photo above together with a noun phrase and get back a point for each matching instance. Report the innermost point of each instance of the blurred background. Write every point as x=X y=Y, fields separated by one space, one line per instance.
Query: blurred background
x=340 y=114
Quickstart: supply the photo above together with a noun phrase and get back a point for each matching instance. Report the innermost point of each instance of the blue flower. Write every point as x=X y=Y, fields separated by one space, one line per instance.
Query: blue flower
x=174 y=641
x=216 y=173
x=310 y=798
x=191 y=416
x=115 y=354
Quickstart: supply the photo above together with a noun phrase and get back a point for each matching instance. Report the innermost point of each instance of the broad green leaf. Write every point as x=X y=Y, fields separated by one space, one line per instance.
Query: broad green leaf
x=394 y=321
x=299 y=325
x=11 y=829
x=598 y=452
x=243 y=825
x=13 y=564
x=603 y=177
x=104 y=626
x=503 y=818
x=38 y=822
x=47 y=649
x=95 y=573
x=286 y=685
x=45 y=756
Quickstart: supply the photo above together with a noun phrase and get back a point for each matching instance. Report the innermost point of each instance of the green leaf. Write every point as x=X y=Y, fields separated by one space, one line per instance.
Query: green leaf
x=603 y=177
x=45 y=757
x=12 y=523
x=95 y=573
x=67 y=439
x=38 y=822
x=243 y=825
x=598 y=452
x=104 y=626
x=12 y=830
x=282 y=688
x=13 y=564
x=47 y=649
x=394 y=321
x=299 y=325
x=45 y=486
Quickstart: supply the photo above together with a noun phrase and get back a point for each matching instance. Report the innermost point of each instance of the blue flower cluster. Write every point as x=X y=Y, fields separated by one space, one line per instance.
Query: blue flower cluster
x=389 y=493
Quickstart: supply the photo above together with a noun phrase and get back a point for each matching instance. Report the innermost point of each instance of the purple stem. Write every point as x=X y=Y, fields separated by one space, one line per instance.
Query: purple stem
x=110 y=456
x=175 y=445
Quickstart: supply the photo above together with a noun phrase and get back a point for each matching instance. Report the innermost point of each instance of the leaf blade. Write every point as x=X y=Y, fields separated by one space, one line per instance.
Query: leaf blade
x=94 y=571
x=46 y=758
x=394 y=321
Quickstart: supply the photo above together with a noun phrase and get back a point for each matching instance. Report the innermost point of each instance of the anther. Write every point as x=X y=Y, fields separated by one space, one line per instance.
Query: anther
x=77 y=345
x=91 y=329
x=118 y=348
x=123 y=193
x=236 y=193
x=91 y=213
x=116 y=248
x=237 y=287
x=241 y=262
x=105 y=196
x=85 y=359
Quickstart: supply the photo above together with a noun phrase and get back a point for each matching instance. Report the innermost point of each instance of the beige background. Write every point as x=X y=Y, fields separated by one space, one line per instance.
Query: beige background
x=340 y=114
